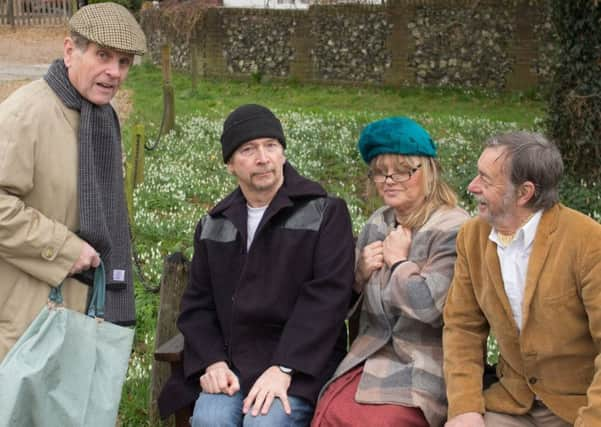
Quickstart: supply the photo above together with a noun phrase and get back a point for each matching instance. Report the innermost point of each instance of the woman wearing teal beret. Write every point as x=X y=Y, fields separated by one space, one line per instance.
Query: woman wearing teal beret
x=392 y=375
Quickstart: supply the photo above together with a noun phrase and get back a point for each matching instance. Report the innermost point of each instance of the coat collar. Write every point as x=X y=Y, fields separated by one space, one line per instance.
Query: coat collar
x=72 y=116
x=294 y=187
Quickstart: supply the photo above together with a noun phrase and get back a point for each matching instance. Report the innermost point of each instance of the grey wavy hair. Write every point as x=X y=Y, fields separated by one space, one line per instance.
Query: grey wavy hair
x=530 y=156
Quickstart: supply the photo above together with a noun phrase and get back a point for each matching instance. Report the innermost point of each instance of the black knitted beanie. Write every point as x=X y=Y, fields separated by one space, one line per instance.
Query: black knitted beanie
x=246 y=123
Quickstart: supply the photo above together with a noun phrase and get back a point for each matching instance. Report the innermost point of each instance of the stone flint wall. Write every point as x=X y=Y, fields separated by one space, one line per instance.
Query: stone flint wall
x=461 y=46
x=350 y=43
x=506 y=44
x=258 y=43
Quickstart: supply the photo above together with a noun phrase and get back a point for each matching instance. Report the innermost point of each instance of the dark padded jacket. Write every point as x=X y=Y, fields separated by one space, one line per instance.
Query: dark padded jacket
x=282 y=302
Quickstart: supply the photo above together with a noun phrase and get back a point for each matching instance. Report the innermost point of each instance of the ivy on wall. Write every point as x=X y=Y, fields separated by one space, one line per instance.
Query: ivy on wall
x=173 y=22
x=575 y=98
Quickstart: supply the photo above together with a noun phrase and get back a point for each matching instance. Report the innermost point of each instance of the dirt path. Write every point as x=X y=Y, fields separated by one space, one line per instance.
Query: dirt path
x=25 y=54
x=23 y=47
x=31 y=45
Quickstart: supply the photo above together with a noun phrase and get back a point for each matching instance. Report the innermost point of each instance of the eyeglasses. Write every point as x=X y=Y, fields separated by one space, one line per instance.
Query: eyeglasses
x=397 y=177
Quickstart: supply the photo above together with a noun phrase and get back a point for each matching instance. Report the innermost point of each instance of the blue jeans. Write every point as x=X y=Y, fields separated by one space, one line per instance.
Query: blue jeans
x=221 y=410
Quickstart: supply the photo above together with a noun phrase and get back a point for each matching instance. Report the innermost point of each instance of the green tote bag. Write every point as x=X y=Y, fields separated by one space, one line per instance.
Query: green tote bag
x=68 y=368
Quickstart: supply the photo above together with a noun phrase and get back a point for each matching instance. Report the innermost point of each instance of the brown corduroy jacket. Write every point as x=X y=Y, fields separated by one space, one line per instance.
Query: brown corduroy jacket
x=556 y=355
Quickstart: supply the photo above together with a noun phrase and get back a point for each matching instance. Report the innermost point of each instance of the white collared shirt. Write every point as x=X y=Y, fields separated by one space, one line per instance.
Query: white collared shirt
x=514 y=263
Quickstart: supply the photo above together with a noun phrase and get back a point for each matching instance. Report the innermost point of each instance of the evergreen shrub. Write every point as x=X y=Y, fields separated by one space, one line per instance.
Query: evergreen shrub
x=575 y=97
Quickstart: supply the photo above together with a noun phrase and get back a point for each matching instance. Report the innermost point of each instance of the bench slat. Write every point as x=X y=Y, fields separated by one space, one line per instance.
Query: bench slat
x=171 y=351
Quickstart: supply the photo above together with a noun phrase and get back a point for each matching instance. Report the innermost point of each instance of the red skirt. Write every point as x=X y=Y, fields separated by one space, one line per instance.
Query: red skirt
x=338 y=408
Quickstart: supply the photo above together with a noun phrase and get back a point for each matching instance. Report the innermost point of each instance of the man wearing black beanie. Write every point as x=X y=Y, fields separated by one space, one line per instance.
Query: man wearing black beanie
x=247 y=123
x=270 y=283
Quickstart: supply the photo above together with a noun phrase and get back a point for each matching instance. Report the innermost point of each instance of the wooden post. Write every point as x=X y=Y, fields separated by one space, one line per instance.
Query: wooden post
x=194 y=65
x=129 y=191
x=138 y=154
x=11 y=14
x=166 y=63
x=168 y=96
x=134 y=168
x=173 y=283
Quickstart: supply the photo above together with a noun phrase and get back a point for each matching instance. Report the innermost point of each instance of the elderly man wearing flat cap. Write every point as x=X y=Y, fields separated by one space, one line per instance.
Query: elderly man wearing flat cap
x=62 y=205
x=270 y=283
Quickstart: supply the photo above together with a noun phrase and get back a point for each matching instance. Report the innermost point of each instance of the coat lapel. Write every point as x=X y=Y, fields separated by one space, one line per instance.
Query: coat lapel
x=538 y=256
x=496 y=278
x=236 y=212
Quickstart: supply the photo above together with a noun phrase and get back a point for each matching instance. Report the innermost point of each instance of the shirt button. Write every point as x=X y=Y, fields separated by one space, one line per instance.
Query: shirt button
x=532 y=380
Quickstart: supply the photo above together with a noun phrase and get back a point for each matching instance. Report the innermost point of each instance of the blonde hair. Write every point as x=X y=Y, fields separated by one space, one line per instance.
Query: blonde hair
x=437 y=193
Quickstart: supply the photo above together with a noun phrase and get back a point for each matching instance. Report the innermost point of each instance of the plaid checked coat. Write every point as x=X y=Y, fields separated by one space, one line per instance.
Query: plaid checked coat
x=400 y=331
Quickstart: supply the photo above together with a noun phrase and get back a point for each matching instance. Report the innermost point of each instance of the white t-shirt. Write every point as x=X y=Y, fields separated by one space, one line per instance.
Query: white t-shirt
x=254 y=218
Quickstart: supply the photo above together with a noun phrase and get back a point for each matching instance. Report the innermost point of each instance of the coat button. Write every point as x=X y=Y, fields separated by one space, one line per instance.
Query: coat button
x=48 y=253
x=532 y=380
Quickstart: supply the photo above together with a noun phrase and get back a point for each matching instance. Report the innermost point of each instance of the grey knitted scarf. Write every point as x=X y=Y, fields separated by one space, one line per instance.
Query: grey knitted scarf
x=102 y=209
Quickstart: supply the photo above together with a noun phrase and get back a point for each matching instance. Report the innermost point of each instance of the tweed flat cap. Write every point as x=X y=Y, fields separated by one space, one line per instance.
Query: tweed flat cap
x=395 y=135
x=109 y=25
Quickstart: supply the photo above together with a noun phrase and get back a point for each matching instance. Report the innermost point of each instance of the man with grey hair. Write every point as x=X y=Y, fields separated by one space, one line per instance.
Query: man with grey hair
x=62 y=203
x=528 y=271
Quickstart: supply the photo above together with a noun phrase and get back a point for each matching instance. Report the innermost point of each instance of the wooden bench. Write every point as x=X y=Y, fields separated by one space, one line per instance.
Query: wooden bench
x=171 y=352
x=171 y=342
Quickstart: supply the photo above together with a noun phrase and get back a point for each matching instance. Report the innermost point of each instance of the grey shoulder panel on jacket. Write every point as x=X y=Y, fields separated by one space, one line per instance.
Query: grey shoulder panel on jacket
x=307 y=216
x=219 y=229
x=304 y=216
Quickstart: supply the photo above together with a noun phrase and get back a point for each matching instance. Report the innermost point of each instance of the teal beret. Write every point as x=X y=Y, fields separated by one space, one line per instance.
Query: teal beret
x=395 y=135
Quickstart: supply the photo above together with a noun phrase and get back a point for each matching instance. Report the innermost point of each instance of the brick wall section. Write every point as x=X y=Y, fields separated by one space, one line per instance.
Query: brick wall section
x=214 y=60
x=504 y=44
x=523 y=45
x=302 y=42
x=401 y=46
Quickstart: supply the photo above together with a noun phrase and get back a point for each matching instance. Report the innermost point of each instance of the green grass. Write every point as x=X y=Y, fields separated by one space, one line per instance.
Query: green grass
x=215 y=98
x=185 y=175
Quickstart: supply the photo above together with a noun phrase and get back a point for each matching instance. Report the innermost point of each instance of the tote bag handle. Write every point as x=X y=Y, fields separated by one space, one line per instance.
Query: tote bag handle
x=96 y=308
